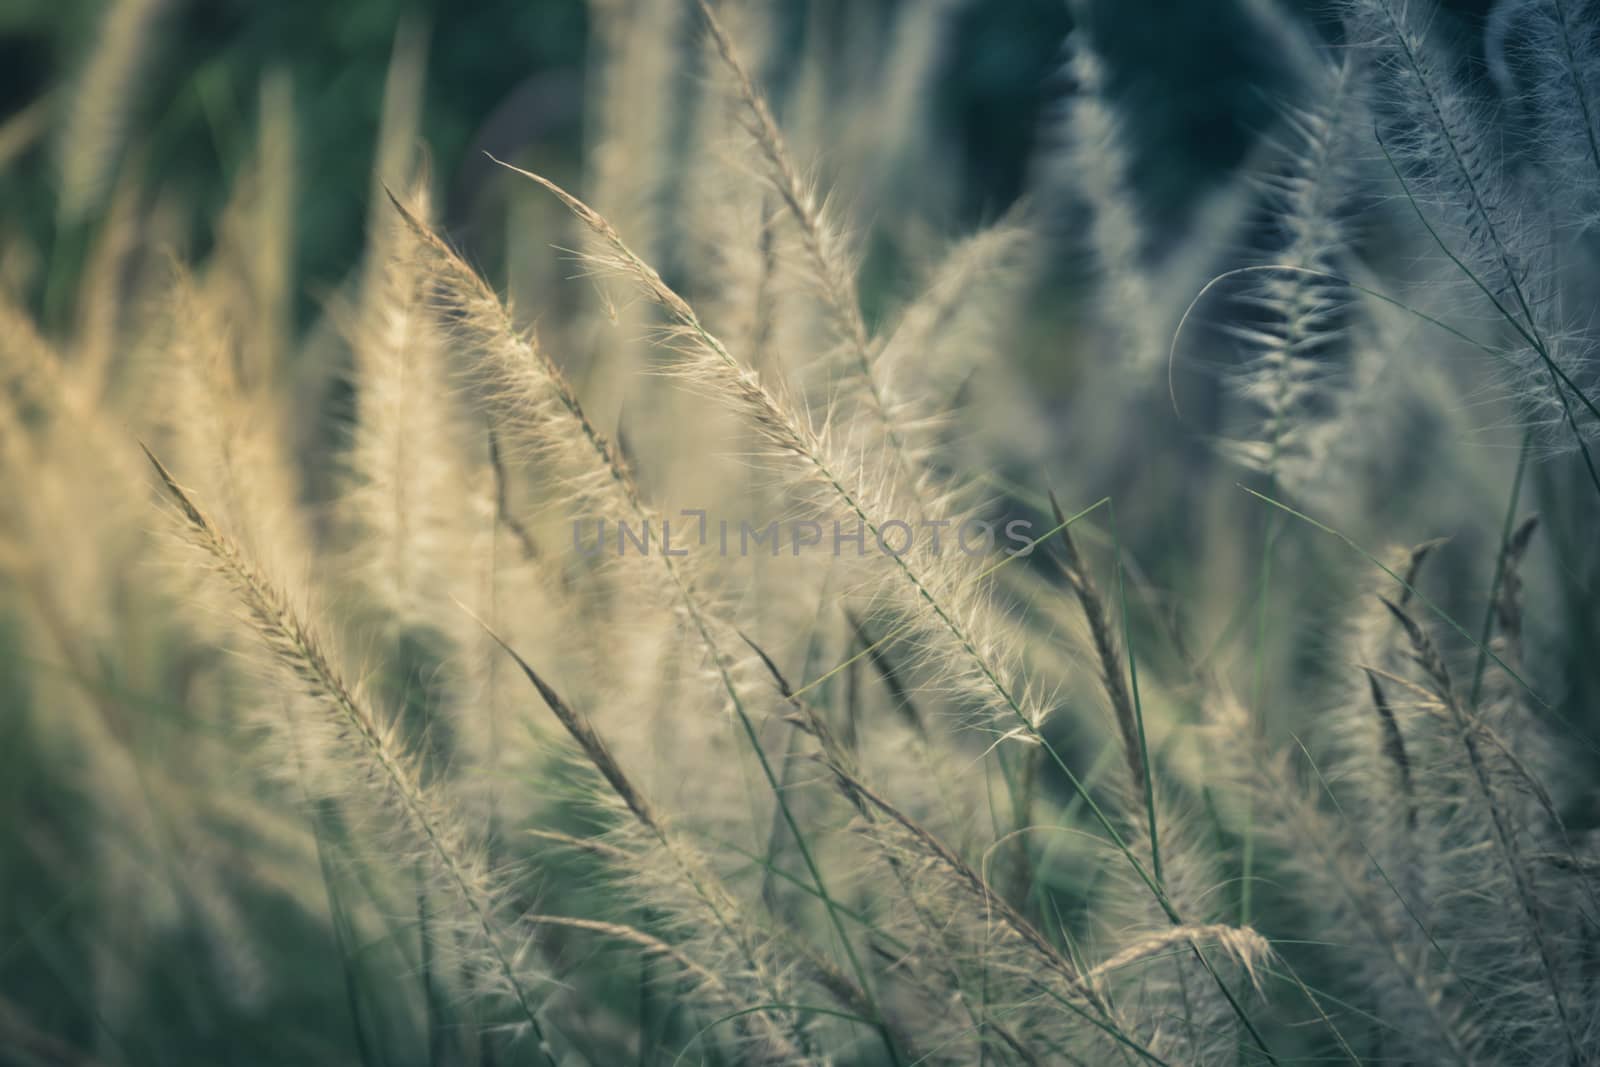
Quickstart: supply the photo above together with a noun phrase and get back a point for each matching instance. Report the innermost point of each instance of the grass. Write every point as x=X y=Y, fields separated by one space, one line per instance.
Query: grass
x=961 y=719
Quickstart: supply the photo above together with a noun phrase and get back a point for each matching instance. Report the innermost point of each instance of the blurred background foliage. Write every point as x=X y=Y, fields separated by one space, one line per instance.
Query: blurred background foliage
x=1197 y=77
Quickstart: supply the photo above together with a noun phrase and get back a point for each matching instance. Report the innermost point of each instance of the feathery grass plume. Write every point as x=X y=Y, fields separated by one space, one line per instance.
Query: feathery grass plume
x=919 y=340
x=352 y=734
x=1240 y=943
x=230 y=433
x=1378 y=405
x=530 y=396
x=1435 y=133
x=413 y=505
x=1544 y=56
x=897 y=435
x=1534 y=961
x=1293 y=313
x=406 y=458
x=740 y=256
x=1183 y=1003
x=1342 y=863
x=99 y=115
x=1438 y=135
x=1095 y=162
x=538 y=413
x=1397 y=972
x=415 y=514
x=1394 y=821
x=830 y=262
x=1374 y=737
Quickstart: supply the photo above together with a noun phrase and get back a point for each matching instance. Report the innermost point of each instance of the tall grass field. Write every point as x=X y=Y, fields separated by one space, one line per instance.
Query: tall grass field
x=716 y=590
